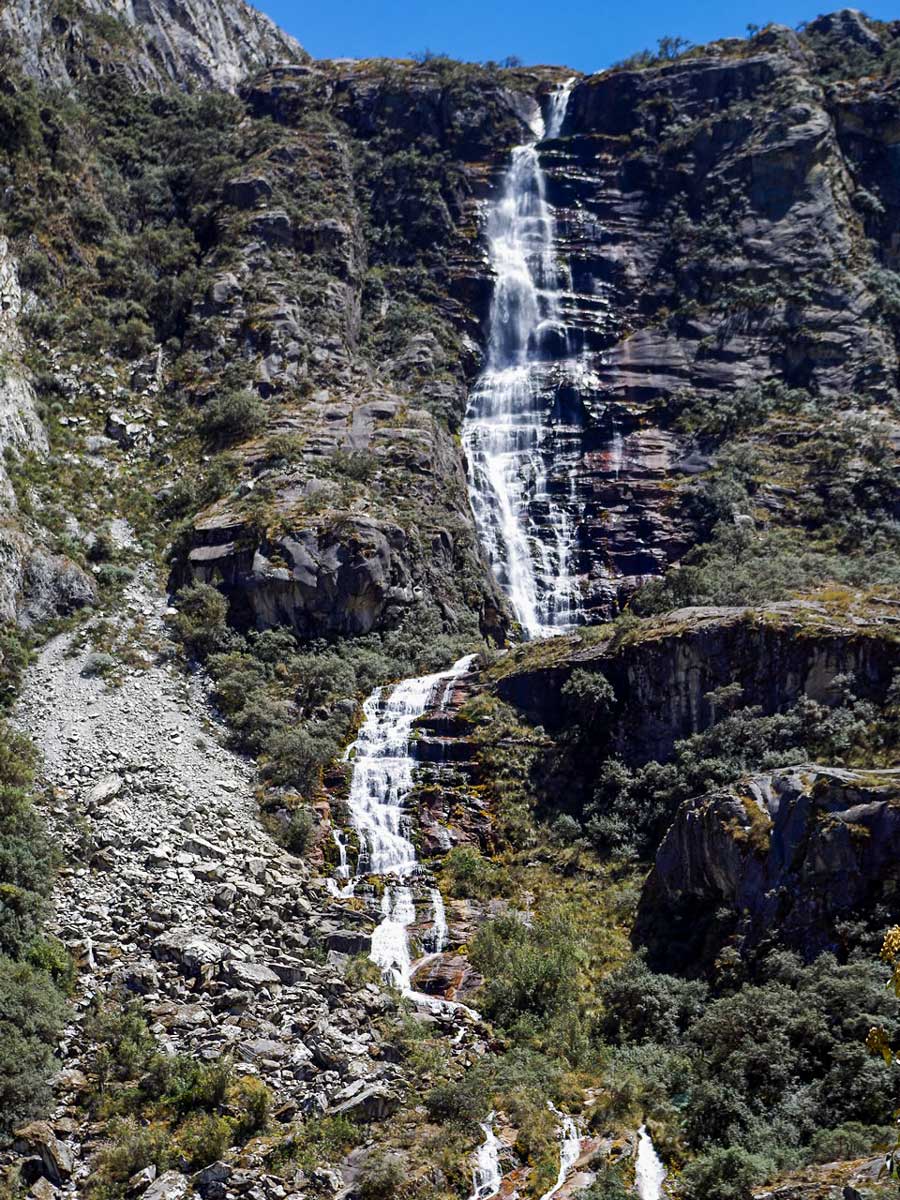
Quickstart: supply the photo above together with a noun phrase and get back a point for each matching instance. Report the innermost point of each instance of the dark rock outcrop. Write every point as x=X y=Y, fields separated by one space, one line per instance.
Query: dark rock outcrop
x=664 y=671
x=789 y=854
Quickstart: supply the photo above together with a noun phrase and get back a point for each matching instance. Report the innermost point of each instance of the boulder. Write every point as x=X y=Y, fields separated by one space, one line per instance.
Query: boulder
x=105 y=789
x=171 y=1185
x=38 y=1138
x=250 y=975
x=194 y=953
x=365 y=1102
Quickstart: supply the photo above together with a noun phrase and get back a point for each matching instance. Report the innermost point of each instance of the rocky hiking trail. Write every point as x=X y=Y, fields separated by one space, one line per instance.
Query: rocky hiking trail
x=172 y=891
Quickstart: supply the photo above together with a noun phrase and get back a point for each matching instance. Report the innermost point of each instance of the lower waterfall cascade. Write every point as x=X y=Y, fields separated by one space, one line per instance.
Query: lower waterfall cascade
x=487 y=1175
x=569 y=1149
x=649 y=1172
x=381 y=780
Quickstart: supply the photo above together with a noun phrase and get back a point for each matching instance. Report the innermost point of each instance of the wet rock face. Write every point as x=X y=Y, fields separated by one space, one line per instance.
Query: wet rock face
x=788 y=854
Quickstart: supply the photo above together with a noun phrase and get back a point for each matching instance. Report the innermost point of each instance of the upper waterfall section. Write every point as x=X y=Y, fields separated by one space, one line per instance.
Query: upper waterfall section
x=507 y=433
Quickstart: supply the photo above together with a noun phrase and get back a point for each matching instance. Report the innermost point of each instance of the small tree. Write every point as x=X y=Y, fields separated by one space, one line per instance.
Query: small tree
x=232 y=417
x=200 y=621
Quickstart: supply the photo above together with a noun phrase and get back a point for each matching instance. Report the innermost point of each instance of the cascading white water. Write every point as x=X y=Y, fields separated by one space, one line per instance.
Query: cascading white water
x=390 y=941
x=487 y=1176
x=569 y=1149
x=649 y=1173
x=440 y=932
x=506 y=429
x=382 y=779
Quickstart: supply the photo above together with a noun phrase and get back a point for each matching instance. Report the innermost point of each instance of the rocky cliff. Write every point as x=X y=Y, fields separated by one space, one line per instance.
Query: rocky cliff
x=721 y=222
x=790 y=855
x=666 y=673
x=150 y=43
x=244 y=302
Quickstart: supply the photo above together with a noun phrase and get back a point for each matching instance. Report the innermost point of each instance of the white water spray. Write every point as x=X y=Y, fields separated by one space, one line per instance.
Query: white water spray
x=487 y=1176
x=439 y=932
x=569 y=1149
x=379 y=786
x=528 y=537
x=649 y=1172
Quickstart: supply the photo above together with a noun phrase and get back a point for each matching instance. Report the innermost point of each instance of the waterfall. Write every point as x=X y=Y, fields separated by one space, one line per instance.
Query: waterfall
x=380 y=783
x=439 y=932
x=487 y=1176
x=569 y=1149
x=390 y=941
x=649 y=1172
x=506 y=428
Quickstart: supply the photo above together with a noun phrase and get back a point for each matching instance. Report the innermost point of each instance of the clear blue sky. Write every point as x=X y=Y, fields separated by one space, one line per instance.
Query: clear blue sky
x=585 y=34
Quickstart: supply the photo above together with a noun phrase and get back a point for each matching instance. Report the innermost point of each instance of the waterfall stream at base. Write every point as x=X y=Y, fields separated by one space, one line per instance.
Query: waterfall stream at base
x=569 y=1149
x=381 y=780
x=487 y=1176
x=649 y=1173
x=506 y=428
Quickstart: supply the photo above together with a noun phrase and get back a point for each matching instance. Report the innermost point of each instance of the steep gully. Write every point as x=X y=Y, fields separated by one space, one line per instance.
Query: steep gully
x=504 y=434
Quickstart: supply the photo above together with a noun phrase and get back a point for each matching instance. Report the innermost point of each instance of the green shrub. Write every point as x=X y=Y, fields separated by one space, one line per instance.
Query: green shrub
x=202 y=1139
x=125 y=1046
x=252 y=1102
x=464 y=1102
x=608 y=1185
x=26 y=856
x=34 y=270
x=132 y=1147
x=641 y=1005
x=589 y=699
x=114 y=576
x=49 y=955
x=381 y=1176
x=850 y=1140
x=31 y=1014
x=134 y=338
x=319 y=1141
x=465 y=872
x=298 y=833
x=98 y=664
x=185 y=1084
x=259 y=719
x=236 y=676
x=530 y=969
x=293 y=757
x=232 y=417
x=201 y=619
x=724 y=1175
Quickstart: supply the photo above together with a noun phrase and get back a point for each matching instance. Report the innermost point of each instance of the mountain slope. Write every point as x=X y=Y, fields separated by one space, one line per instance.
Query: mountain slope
x=153 y=43
x=247 y=298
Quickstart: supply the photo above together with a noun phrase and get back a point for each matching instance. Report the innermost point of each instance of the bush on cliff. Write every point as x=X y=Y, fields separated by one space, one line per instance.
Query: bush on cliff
x=232 y=417
x=200 y=620
x=632 y=806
